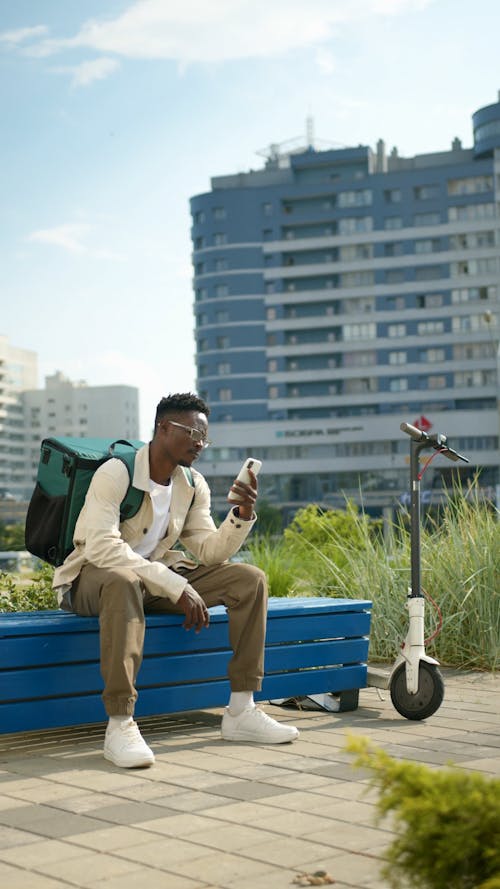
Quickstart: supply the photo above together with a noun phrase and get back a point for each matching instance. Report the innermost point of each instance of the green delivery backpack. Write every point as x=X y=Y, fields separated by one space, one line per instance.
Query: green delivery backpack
x=65 y=471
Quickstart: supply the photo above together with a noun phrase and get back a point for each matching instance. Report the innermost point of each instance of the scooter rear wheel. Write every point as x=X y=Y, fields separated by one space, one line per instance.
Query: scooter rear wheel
x=427 y=699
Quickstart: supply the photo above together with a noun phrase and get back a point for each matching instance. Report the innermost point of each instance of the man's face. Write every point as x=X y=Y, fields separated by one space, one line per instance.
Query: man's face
x=183 y=435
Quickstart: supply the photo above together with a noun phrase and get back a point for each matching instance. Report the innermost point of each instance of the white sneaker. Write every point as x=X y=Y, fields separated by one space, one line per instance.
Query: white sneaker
x=125 y=747
x=257 y=727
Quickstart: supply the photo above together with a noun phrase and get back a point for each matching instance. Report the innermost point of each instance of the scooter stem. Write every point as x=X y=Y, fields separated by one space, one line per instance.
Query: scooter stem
x=415 y=448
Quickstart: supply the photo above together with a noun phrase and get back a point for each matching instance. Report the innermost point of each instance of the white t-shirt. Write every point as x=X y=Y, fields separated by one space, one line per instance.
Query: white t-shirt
x=161 y=496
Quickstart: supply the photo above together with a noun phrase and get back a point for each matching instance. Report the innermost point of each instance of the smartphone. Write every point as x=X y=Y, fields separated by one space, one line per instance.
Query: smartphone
x=243 y=476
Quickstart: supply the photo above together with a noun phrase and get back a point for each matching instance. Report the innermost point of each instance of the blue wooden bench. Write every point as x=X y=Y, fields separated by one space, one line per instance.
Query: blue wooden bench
x=49 y=662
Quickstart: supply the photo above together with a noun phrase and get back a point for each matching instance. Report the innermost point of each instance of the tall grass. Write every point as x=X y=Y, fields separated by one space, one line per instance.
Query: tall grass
x=460 y=568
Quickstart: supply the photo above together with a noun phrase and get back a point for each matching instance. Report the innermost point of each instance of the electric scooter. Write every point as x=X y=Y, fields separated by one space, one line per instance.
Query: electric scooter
x=415 y=682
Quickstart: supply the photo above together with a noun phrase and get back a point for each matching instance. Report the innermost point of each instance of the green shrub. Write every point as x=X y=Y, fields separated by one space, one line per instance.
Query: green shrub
x=34 y=595
x=447 y=822
x=12 y=536
x=281 y=565
x=346 y=556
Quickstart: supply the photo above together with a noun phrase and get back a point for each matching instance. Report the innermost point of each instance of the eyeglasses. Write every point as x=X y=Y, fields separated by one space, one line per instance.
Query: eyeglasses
x=194 y=434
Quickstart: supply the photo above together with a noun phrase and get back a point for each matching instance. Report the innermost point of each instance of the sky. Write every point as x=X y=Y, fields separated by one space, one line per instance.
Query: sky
x=113 y=113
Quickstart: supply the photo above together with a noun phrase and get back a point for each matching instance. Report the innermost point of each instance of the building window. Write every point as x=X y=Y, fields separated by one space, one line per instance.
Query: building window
x=392 y=195
x=435 y=382
x=351 y=252
x=394 y=276
x=428 y=273
x=200 y=293
x=199 y=243
x=472 y=351
x=199 y=217
x=220 y=238
x=219 y=212
x=475 y=267
x=429 y=301
x=272 y=365
x=220 y=265
x=470 y=212
x=361 y=198
x=223 y=368
x=427 y=245
x=472 y=294
x=394 y=330
x=222 y=317
x=469 y=378
x=225 y=394
x=431 y=356
x=222 y=342
x=360 y=359
x=353 y=225
x=356 y=279
x=470 y=185
x=396 y=248
x=425 y=192
x=221 y=290
x=267 y=209
x=398 y=384
x=464 y=323
x=393 y=222
x=271 y=314
x=359 y=331
x=273 y=392
x=470 y=240
x=426 y=219
x=430 y=327
x=397 y=357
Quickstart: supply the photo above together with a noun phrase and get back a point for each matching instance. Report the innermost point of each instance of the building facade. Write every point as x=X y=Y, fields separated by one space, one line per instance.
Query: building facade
x=339 y=293
x=66 y=408
x=18 y=371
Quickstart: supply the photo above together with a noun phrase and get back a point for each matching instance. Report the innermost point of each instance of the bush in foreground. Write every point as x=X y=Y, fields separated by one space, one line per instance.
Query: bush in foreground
x=447 y=822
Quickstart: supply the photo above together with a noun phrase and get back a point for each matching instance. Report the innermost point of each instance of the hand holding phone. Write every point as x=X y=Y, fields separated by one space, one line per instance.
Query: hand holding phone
x=243 y=476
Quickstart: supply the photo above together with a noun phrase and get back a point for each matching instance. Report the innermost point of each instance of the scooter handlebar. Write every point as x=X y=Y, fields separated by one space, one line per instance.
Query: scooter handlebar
x=436 y=441
x=413 y=432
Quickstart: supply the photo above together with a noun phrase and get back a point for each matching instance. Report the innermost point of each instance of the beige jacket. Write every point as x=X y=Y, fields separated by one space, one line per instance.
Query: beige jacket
x=102 y=539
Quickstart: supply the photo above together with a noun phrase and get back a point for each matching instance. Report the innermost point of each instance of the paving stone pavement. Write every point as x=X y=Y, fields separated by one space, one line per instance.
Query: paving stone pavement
x=217 y=815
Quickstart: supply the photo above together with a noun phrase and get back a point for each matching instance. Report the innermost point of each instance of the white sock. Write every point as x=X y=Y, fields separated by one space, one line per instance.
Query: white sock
x=116 y=721
x=239 y=700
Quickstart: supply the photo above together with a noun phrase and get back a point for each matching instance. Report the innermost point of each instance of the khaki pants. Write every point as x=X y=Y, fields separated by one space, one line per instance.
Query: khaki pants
x=120 y=600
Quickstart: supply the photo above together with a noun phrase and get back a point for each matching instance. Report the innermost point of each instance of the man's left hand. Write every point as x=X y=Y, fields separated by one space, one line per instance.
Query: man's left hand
x=248 y=495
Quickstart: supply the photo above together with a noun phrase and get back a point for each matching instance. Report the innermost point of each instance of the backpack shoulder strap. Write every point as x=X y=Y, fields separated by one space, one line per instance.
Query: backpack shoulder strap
x=132 y=501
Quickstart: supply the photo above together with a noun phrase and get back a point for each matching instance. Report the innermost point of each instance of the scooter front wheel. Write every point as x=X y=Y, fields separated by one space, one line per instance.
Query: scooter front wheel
x=428 y=697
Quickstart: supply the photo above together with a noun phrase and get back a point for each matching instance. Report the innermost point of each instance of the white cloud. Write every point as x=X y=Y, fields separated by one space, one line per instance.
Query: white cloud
x=22 y=34
x=71 y=236
x=222 y=30
x=325 y=60
x=88 y=72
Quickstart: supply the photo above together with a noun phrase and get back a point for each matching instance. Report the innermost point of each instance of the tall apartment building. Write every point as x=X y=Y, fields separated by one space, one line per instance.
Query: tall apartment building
x=74 y=409
x=18 y=371
x=338 y=293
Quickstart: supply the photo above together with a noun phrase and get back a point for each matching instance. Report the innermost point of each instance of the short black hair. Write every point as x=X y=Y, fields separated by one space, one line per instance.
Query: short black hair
x=180 y=403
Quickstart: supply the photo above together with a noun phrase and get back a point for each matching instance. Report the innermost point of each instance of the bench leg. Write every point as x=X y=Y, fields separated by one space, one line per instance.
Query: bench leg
x=348 y=699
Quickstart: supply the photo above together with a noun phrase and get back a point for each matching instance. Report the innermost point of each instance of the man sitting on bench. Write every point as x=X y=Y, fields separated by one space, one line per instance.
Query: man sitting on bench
x=122 y=570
